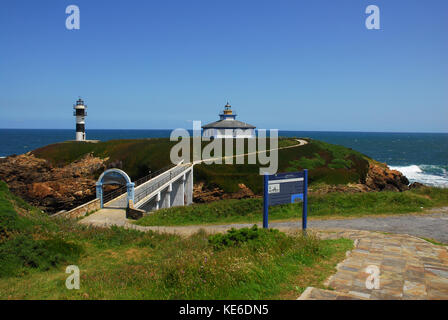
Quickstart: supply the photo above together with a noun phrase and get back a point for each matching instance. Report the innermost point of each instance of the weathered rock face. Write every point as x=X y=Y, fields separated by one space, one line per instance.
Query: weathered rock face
x=382 y=178
x=51 y=188
x=416 y=185
x=202 y=194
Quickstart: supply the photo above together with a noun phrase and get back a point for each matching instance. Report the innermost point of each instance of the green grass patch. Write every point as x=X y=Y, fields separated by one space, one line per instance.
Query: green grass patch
x=327 y=163
x=117 y=263
x=28 y=241
x=327 y=205
x=435 y=242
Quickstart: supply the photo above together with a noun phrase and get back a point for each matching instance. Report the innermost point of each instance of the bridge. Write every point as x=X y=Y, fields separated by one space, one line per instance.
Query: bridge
x=166 y=188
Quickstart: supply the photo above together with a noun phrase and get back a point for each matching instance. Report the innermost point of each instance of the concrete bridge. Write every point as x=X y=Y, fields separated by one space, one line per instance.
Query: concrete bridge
x=173 y=187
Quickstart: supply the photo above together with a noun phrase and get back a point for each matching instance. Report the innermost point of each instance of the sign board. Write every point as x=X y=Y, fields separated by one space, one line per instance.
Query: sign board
x=282 y=188
x=285 y=188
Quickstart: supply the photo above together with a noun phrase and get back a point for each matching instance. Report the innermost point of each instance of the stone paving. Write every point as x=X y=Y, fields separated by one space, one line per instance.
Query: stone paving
x=409 y=269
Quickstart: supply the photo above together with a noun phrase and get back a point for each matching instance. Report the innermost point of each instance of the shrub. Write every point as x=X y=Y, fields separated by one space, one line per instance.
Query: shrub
x=340 y=164
x=22 y=251
x=236 y=237
x=18 y=248
x=306 y=163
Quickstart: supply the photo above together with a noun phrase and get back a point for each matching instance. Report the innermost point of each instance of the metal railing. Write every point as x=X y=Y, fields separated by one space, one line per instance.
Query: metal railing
x=153 y=175
x=123 y=189
x=164 y=178
x=114 y=194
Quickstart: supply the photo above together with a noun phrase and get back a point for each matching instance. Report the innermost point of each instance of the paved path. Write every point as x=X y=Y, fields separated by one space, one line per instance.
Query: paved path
x=432 y=225
x=407 y=268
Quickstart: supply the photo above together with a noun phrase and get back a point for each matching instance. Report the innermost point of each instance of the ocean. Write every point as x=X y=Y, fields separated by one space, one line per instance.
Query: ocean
x=422 y=157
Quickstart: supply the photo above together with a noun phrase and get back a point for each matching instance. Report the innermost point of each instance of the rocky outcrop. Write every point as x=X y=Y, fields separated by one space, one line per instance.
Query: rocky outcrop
x=416 y=185
x=203 y=194
x=50 y=188
x=380 y=177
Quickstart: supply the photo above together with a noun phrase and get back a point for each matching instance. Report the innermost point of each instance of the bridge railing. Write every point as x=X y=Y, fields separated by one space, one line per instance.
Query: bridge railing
x=164 y=178
x=114 y=194
x=123 y=189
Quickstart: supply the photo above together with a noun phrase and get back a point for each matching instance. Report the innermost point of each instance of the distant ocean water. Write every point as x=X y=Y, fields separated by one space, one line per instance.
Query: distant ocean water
x=422 y=157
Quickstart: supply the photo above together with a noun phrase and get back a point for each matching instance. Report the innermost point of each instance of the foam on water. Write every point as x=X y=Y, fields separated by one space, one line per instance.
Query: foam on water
x=431 y=175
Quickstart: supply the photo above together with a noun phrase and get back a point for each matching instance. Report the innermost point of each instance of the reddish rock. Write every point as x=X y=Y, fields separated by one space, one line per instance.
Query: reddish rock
x=51 y=188
x=416 y=185
x=203 y=194
x=380 y=177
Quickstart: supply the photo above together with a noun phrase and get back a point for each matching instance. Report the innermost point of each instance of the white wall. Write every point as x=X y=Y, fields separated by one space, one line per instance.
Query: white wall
x=229 y=133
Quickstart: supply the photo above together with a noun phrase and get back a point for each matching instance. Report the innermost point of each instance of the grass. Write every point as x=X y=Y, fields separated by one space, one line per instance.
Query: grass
x=434 y=241
x=327 y=163
x=117 y=263
x=29 y=242
x=327 y=205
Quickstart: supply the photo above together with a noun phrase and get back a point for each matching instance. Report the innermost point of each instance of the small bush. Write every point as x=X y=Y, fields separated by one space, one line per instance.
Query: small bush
x=19 y=250
x=23 y=252
x=340 y=164
x=236 y=237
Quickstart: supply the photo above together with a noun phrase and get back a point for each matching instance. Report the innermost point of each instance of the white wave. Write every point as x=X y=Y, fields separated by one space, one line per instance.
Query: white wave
x=417 y=173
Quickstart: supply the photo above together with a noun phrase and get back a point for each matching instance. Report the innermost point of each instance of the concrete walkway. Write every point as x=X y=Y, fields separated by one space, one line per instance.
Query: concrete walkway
x=433 y=224
x=408 y=268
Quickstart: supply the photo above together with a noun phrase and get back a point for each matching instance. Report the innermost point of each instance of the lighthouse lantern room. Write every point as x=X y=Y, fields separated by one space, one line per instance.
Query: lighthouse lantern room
x=228 y=127
x=80 y=113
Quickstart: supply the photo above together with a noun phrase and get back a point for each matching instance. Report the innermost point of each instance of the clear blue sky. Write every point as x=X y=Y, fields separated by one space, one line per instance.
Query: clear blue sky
x=291 y=65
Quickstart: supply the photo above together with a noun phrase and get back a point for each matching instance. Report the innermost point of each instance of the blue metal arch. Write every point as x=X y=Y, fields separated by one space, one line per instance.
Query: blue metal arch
x=112 y=171
x=116 y=174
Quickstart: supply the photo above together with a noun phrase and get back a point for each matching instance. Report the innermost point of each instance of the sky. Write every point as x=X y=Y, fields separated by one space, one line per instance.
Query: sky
x=288 y=65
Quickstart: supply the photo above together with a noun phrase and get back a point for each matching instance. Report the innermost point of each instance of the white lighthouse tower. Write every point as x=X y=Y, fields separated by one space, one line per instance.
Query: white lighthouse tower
x=80 y=113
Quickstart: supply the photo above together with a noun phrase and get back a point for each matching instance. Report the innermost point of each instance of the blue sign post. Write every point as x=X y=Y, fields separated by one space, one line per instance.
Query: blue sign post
x=305 y=200
x=265 y=201
x=281 y=188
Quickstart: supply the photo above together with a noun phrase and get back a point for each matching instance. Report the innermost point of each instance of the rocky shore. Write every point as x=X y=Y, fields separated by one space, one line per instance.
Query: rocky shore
x=53 y=188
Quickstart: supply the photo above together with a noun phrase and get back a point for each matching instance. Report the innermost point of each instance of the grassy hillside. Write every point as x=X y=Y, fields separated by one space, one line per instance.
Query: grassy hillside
x=326 y=205
x=29 y=239
x=330 y=164
x=127 y=264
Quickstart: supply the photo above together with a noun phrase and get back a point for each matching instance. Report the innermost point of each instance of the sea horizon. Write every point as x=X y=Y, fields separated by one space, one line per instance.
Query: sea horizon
x=401 y=151
x=287 y=130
